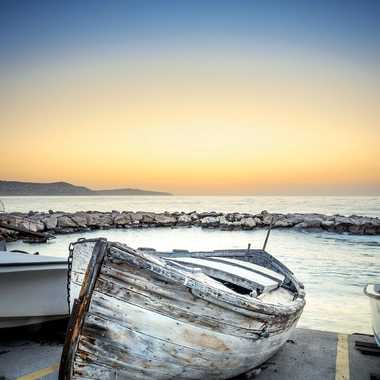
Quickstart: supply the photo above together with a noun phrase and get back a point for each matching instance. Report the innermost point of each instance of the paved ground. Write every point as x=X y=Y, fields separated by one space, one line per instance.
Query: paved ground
x=310 y=354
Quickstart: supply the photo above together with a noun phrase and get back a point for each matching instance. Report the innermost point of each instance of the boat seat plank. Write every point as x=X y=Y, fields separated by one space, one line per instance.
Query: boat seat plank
x=252 y=267
x=256 y=280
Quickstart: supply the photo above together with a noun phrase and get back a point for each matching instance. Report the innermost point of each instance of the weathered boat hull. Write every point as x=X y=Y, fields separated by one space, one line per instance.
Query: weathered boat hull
x=141 y=320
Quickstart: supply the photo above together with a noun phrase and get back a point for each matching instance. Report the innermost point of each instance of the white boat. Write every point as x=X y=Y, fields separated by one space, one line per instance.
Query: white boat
x=373 y=292
x=184 y=315
x=32 y=289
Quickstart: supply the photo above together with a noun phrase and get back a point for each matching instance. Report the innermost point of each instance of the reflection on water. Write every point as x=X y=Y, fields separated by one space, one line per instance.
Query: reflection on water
x=334 y=268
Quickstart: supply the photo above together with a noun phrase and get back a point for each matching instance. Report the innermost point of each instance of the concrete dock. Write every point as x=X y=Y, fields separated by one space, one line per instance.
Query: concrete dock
x=34 y=353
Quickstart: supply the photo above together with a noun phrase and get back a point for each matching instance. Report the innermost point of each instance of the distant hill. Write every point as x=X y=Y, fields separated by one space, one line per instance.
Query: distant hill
x=9 y=188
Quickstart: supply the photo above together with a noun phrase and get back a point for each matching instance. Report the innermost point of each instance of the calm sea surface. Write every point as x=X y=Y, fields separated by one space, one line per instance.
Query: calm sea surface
x=334 y=268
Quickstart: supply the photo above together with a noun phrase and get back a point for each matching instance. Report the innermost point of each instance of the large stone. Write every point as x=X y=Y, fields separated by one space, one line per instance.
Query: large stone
x=208 y=213
x=283 y=223
x=99 y=219
x=226 y=225
x=194 y=216
x=80 y=219
x=184 y=220
x=50 y=222
x=328 y=225
x=210 y=221
x=268 y=219
x=148 y=218
x=312 y=221
x=248 y=223
x=293 y=219
x=165 y=220
x=122 y=219
x=65 y=222
x=37 y=226
x=136 y=216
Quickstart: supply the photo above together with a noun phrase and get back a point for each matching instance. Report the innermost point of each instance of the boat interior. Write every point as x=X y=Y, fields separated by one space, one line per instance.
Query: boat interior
x=236 y=270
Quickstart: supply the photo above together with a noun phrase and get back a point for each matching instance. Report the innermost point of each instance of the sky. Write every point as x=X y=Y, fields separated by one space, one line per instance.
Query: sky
x=192 y=97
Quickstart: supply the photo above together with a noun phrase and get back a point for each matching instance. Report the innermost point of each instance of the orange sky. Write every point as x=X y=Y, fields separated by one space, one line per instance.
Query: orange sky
x=194 y=121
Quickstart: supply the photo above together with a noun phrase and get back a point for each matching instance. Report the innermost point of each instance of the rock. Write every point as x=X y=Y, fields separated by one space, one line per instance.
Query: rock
x=300 y=226
x=312 y=222
x=226 y=225
x=209 y=221
x=223 y=220
x=148 y=218
x=136 y=217
x=267 y=219
x=184 y=220
x=229 y=217
x=194 y=216
x=248 y=223
x=202 y=215
x=122 y=219
x=50 y=222
x=344 y=220
x=32 y=225
x=283 y=223
x=165 y=220
x=80 y=219
x=328 y=225
x=370 y=230
x=8 y=235
x=99 y=219
x=356 y=230
x=65 y=222
x=293 y=219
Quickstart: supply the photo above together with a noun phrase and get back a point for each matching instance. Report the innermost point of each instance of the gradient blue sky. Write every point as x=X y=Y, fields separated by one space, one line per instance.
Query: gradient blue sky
x=297 y=81
x=35 y=28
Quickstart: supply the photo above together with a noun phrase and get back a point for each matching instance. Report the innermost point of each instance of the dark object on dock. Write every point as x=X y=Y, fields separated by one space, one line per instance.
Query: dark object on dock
x=367 y=348
x=31 y=236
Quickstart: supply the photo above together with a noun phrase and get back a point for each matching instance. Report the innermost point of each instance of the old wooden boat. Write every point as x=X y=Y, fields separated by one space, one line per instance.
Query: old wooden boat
x=373 y=292
x=142 y=314
x=32 y=289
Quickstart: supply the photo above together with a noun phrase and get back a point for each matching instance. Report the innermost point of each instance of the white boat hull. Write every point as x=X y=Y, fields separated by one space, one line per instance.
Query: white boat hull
x=374 y=299
x=32 y=290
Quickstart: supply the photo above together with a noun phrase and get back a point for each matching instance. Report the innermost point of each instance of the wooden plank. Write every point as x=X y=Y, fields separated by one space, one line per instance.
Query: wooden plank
x=79 y=311
x=234 y=274
x=199 y=311
x=253 y=267
x=136 y=333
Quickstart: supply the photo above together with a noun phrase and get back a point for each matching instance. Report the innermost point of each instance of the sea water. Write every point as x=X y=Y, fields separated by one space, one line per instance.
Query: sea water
x=334 y=268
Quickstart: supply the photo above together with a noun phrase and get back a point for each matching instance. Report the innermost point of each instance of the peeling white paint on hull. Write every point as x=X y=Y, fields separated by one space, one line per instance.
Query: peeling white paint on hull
x=142 y=317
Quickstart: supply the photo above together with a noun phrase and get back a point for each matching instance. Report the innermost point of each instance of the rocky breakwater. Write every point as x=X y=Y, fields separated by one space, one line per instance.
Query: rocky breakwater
x=62 y=222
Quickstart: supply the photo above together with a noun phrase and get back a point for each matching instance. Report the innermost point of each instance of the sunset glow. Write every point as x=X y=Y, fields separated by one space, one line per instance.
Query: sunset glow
x=150 y=101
